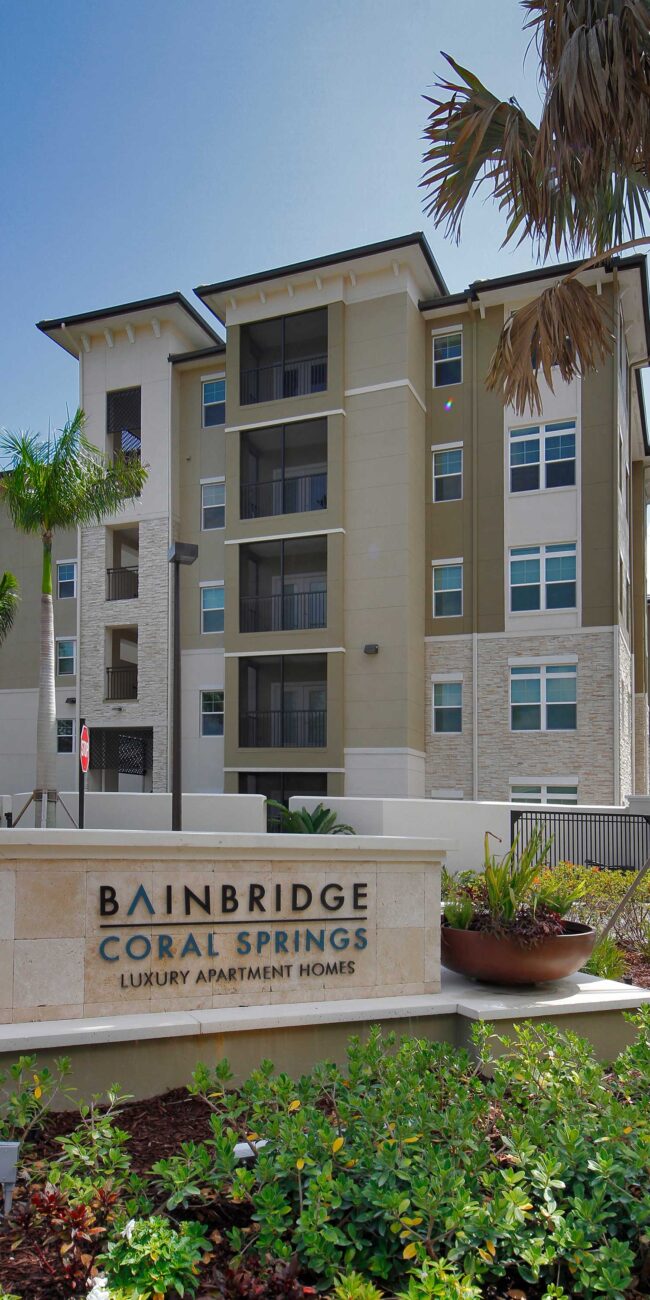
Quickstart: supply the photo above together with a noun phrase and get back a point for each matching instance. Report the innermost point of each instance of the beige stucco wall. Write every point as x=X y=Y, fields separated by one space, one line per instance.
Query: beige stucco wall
x=61 y=958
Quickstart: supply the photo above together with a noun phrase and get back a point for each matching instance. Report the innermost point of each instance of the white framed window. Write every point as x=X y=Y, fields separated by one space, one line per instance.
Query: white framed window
x=543 y=697
x=65 y=736
x=448 y=589
x=448 y=358
x=213 y=504
x=66 y=656
x=552 y=791
x=212 y=606
x=212 y=713
x=543 y=578
x=543 y=456
x=447 y=707
x=448 y=473
x=214 y=402
x=66 y=579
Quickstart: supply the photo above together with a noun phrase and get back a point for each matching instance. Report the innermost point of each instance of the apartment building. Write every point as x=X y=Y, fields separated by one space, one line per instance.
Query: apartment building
x=402 y=588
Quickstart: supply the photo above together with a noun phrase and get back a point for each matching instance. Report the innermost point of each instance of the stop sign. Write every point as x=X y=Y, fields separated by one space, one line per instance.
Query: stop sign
x=84 y=749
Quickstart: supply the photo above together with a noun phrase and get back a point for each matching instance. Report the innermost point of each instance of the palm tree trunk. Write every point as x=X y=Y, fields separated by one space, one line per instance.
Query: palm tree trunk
x=46 y=722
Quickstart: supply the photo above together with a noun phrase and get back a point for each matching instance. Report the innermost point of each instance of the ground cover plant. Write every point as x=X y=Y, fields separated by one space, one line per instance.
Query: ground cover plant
x=626 y=951
x=415 y=1171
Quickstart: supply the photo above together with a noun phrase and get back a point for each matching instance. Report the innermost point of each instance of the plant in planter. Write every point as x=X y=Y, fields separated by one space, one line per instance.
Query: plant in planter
x=25 y=1096
x=507 y=925
x=322 y=821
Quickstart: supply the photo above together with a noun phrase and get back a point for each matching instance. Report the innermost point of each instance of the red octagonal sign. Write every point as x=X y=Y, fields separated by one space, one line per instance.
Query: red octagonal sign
x=84 y=749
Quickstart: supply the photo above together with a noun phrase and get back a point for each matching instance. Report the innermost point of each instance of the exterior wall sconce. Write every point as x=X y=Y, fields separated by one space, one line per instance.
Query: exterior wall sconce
x=371 y=649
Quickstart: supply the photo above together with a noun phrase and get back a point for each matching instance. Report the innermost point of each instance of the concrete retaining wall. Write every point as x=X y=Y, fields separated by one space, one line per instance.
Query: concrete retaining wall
x=153 y=812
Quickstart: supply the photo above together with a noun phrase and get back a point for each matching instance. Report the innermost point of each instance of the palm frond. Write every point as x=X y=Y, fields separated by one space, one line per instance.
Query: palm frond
x=9 y=599
x=566 y=327
x=65 y=482
x=475 y=138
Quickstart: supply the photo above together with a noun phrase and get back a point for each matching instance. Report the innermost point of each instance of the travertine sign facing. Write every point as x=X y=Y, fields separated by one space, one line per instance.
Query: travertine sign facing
x=108 y=922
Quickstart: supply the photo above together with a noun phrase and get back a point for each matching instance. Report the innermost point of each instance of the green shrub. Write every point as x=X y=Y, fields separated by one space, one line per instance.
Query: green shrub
x=322 y=821
x=413 y=1169
x=607 y=960
x=152 y=1258
x=603 y=891
x=27 y=1093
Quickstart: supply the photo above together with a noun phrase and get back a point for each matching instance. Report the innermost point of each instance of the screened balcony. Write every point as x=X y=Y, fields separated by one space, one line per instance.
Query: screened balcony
x=283 y=585
x=283 y=469
x=122 y=670
x=283 y=357
x=124 y=423
x=123 y=571
x=283 y=702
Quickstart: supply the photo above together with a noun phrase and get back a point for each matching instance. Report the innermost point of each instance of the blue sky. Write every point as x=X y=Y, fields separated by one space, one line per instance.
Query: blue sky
x=150 y=145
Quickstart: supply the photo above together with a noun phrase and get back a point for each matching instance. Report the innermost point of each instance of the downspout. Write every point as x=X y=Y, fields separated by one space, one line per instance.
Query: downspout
x=474 y=555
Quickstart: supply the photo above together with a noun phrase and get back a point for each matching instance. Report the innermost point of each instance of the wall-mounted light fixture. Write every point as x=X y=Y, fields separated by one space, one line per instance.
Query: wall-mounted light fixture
x=371 y=649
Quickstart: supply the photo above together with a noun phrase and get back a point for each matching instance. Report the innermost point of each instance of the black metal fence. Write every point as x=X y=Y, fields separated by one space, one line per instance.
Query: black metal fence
x=282 y=728
x=122 y=584
x=283 y=379
x=287 y=496
x=122 y=683
x=618 y=841
x=293 y=611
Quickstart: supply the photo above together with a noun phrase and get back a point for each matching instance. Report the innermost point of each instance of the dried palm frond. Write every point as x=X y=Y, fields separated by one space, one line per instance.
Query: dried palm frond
x=475 y=137
x=566 y=326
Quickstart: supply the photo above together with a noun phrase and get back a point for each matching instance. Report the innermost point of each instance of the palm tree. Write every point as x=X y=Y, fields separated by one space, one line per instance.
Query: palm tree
x=577 y=181
x=60 y=483
x=8 y=603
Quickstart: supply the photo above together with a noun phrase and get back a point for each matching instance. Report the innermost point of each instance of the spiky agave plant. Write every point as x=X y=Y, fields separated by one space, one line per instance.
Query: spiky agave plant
x=322 y=821
x=577 y=181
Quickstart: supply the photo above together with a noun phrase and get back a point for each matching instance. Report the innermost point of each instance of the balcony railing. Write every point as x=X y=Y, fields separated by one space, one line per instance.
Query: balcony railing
x=122 y=683
x=283 y=379
x=288 y=496
x=122 y=584
x=293 y=611
x=281 y=728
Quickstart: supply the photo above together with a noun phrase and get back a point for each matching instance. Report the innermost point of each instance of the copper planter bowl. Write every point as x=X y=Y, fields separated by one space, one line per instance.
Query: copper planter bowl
x=504 y=961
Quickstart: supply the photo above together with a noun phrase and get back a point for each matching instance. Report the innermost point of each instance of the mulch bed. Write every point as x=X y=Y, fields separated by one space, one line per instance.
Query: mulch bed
x=637 y=968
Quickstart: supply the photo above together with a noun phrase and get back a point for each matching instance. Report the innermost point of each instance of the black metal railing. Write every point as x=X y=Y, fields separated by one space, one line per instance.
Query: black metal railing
x=283 y=379
x=288 y=496
x=280 y=728
x=122 y=584
x=617 y=841
x=122 y=683
x=293 y=611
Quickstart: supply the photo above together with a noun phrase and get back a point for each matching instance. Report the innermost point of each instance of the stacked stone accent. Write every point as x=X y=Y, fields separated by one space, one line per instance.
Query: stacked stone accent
x=641 y=745
x=150 y=613
x=503 y=754
x=625 y=739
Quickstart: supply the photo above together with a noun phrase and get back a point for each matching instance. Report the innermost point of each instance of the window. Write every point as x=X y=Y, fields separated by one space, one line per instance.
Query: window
x=448 y=474
x=543 y=697
x=557 y=590
x=212 y=606
x=213 y=505
x=66 y=579
x=214 y=402
x=212 y=713
x=552 y=446
x=124 y=421
x=447 y=359
x=65 y=736
x=66 y=654
x=447 y=707
x=448 y=590
x=558 y=792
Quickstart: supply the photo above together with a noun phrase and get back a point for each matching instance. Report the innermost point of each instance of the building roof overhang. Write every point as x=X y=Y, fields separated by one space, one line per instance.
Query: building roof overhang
x=73 y=333
x=411 y=250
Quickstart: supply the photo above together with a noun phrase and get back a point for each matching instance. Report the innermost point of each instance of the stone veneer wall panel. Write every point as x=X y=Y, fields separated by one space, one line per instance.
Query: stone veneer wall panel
x=589 y=751
x=449 y=757
x=151 y=614
x=625 y=702
x=641 y=745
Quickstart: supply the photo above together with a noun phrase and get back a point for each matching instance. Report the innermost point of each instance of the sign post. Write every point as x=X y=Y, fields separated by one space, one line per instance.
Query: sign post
x=84 y=763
